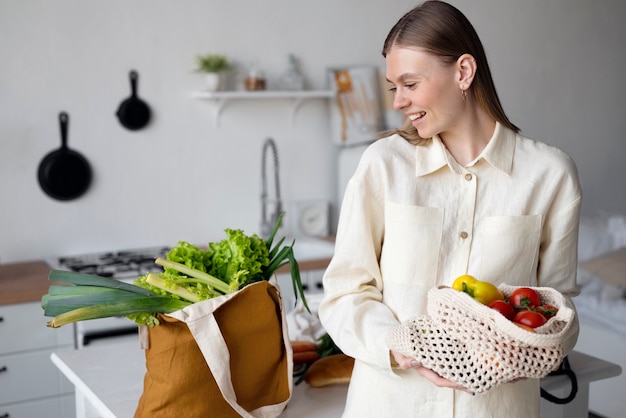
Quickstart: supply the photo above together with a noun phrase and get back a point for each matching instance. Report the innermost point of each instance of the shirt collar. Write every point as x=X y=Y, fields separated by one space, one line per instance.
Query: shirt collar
x=498 y=152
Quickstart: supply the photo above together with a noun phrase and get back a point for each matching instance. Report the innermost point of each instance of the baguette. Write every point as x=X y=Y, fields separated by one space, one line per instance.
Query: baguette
x=330 y=370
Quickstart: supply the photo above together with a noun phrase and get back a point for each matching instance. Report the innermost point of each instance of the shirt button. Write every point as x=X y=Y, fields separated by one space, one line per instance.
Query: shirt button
x=463 y=235
x=468 y=177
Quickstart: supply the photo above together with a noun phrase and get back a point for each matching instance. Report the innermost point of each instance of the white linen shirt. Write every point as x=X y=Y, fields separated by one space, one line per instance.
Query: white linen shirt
x=412 y=218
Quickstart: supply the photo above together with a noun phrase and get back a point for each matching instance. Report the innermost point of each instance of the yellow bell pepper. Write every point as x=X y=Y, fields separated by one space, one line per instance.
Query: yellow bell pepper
x=483 y=292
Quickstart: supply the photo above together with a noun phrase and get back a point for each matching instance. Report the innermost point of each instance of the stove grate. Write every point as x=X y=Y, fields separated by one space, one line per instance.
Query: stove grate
x=115 y=264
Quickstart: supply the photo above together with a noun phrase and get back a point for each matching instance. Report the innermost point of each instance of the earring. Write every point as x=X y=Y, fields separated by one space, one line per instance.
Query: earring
x=464 y=94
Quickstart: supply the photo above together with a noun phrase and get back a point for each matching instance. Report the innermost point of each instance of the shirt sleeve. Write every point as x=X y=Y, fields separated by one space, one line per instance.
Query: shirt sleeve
x=558 y=255
x=352 y=311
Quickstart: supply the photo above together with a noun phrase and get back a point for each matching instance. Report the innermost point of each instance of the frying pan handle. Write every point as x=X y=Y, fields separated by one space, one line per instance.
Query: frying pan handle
x=64 y=120
x=133 y=82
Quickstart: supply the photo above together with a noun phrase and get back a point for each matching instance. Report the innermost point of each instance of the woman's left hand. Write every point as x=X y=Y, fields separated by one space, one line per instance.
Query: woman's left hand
x=405 y=362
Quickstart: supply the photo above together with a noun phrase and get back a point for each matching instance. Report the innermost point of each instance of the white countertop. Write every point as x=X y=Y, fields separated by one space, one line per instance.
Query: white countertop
x=109 y=380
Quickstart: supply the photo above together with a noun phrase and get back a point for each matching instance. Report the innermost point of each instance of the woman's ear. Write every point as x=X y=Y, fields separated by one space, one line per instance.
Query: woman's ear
x=466 y=66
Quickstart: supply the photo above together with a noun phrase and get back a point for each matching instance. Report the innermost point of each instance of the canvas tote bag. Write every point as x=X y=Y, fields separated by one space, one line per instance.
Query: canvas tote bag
x=223 y=357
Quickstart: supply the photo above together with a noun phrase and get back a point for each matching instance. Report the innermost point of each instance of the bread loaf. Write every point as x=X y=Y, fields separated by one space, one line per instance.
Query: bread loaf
x=331 y=370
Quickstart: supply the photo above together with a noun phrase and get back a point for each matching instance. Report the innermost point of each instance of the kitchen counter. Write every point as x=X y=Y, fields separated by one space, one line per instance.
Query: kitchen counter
x=109 y=382
x=23 y=282
x=307 y=265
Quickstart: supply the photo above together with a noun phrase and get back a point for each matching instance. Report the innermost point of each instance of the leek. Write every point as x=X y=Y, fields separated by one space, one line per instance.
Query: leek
x=157 y=281
x=89 y=280
x=122 y=308
x=56 y=305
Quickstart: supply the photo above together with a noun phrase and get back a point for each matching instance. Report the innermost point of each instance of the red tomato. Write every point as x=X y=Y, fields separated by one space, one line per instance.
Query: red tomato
x=505 y=308
x=547 y=310
x=530 y=319
x=524 y=297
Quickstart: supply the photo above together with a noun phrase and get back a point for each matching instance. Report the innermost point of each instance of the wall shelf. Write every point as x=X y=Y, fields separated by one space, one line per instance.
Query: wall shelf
x=221 y=98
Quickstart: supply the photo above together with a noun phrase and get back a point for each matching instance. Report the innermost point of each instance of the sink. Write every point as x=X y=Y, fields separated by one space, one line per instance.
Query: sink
x=306 y=249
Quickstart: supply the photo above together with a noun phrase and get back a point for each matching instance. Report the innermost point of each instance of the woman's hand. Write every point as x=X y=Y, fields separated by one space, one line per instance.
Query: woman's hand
x=405 y=362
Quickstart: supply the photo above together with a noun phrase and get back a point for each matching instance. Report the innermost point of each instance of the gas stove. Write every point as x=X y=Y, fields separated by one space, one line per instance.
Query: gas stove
x=125 y=264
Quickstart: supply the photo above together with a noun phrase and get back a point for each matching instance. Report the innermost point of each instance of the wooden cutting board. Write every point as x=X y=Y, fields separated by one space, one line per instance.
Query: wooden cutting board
x=23 y=282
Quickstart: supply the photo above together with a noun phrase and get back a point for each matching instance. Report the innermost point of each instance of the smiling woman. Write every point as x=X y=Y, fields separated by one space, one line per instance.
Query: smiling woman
x=456 y=191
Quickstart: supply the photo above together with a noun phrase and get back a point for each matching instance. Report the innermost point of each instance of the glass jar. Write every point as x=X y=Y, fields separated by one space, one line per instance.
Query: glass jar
x=255 y=79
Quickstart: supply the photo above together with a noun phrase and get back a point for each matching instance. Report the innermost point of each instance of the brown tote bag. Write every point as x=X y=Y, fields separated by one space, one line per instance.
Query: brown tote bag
x=224 y=357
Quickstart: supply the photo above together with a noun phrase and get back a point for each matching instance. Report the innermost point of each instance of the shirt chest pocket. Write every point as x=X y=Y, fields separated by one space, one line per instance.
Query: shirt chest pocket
x=510 y=249
x=411 y=245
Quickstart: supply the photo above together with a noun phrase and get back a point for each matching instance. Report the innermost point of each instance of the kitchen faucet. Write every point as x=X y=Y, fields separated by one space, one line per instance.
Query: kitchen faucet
x=267 y=224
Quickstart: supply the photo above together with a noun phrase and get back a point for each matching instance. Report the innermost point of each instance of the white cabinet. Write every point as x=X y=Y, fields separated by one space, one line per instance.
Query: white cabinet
x=31 y=385
x=58 y=407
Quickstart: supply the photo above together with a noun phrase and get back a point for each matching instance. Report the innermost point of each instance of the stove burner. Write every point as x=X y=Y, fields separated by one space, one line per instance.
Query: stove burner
x=125 y=264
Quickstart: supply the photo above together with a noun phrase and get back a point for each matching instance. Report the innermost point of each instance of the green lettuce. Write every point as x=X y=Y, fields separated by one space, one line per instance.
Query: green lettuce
x=239 y=258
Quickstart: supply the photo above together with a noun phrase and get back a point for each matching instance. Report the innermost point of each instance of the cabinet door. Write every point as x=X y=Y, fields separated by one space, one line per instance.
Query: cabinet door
x=23 y=327
x=61 y=407
x=30 y=375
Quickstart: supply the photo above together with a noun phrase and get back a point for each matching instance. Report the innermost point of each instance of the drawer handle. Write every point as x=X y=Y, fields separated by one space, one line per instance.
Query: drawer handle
x=3 y=369
x=5 y=415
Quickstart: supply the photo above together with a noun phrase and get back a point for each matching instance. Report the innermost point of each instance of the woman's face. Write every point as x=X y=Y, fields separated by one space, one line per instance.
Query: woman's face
x=425 y=89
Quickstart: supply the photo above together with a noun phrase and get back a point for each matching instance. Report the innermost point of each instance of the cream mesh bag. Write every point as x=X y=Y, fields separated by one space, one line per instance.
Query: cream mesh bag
x=477 y=347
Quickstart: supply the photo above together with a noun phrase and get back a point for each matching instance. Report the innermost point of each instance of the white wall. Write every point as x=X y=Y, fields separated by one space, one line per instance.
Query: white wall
x=556 y=64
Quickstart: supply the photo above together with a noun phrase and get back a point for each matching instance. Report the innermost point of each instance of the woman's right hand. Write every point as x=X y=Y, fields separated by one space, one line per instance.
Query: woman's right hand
x=406 y=362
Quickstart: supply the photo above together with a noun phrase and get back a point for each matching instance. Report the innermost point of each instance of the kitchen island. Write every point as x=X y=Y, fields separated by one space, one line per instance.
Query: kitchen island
x=109 y=381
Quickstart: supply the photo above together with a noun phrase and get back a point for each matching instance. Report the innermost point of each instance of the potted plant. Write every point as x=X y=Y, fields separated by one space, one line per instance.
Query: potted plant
x=214 y=66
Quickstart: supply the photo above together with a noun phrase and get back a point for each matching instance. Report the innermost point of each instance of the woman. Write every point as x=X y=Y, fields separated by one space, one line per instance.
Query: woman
x=456 y=191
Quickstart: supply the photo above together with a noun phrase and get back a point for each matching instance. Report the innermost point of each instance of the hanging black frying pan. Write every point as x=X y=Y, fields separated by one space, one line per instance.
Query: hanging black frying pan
x=133 y=112
x=64 y=174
